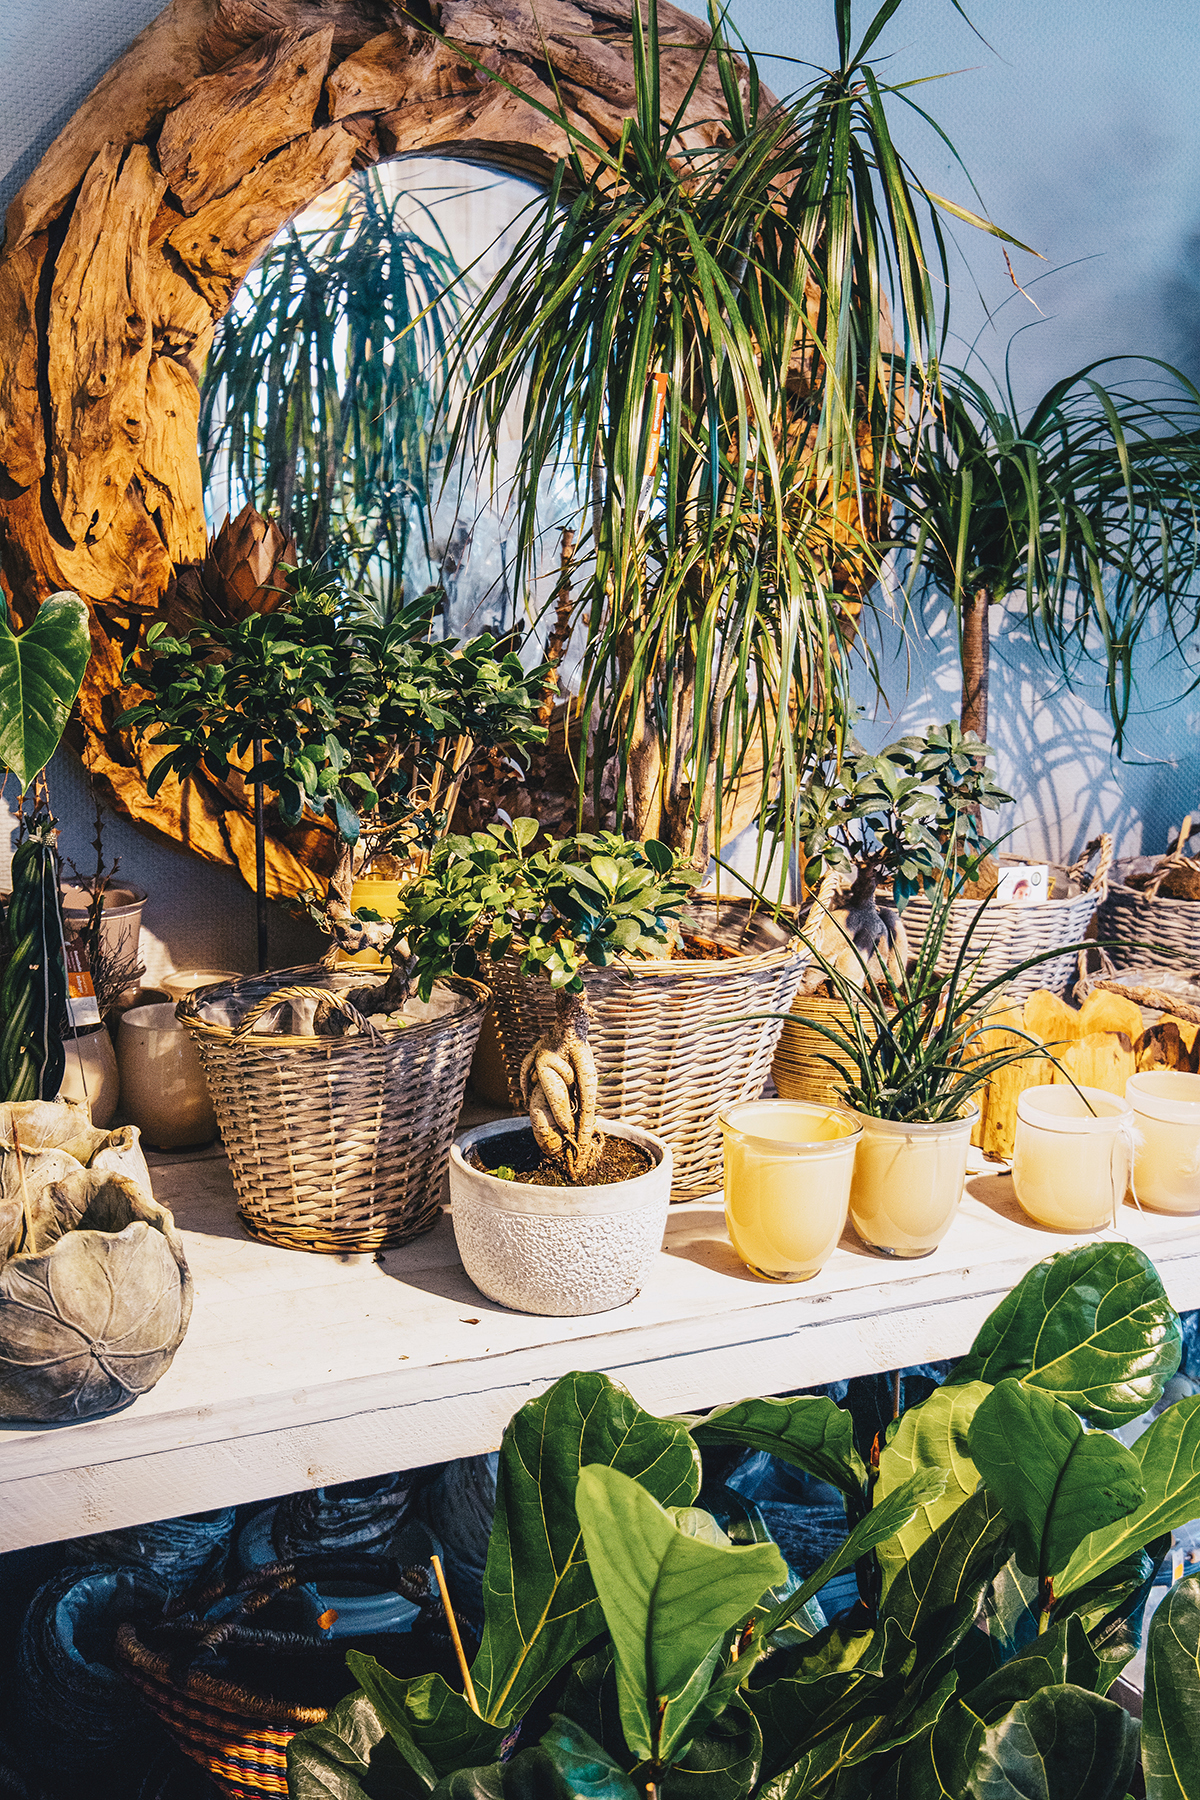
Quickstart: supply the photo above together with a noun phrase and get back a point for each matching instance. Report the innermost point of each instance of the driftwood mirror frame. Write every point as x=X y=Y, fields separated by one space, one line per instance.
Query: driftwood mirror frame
x=127 y=243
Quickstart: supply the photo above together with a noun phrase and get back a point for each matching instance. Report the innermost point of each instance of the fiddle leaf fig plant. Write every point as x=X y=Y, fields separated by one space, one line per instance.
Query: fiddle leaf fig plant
x=646 y=1654
x=589 y=899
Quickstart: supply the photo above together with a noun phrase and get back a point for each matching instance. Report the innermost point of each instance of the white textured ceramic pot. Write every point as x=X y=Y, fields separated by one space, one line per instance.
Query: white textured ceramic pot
x=560 y=1252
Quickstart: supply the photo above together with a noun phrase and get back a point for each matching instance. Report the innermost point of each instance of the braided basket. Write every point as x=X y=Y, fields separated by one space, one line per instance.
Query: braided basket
x=335 y=1144
x=1009 y=932
x=1155 y=932
x=799 y=1070
x=669 y=1051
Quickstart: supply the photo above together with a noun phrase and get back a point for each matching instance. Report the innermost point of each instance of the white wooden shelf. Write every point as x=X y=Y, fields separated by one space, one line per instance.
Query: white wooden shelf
x=299 y=1370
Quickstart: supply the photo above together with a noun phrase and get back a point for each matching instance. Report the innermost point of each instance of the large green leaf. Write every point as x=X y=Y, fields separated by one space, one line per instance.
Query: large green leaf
x=565 y=1765
x=1055 y=1481
x=808 y=1431
x=1093 y=1326
x=540 y=1603
x=41 y=672
x=431 y=1725
x=932 y=1435
x=955 y=1564
x=1061 y=1744
x=353 y=1755
x=721 y=1763
x=668 y=1597
x=1169 y=1457
x=1171 y=1702
x=1111 y=1609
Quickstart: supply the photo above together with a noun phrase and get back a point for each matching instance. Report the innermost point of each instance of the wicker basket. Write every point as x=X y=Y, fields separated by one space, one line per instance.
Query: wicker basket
x=669 y=1050
x=800 y=1071
x=335 y=1144
x=1009 y=932
x=1149 y=932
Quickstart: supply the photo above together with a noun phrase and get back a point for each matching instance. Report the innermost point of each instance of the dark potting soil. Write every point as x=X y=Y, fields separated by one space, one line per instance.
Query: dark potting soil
x=520 y=1151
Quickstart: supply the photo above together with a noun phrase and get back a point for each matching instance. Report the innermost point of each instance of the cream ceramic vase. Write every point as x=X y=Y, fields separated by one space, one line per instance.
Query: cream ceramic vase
x=91 y=1073
x=163 y=1090
x=787 y=1183
x=1166 y=1166
x=1071 y=1156
x=908 y=1181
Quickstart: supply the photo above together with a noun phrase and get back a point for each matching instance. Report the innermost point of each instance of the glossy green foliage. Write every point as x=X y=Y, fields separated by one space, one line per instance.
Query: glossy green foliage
x=1055 y=1481
x=1086 y=506
x=932 y=1436
x=41 y=672
x=356 y=718
x=1092 y=1326
x=900 y=812
x=808 y=1431
x=1168 y=1458
x=33 y=988
x=1170 y=1715
x=580 y=900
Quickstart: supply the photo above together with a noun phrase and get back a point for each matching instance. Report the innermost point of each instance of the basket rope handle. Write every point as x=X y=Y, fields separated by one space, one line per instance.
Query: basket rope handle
x=281 y=995
x=1099 y=881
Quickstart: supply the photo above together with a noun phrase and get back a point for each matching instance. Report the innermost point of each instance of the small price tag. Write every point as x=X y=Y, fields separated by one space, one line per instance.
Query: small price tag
x=1026 y=884
x=81 y=992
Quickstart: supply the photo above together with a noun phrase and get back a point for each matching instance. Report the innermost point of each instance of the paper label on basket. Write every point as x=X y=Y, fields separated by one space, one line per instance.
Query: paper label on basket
x=1026 y=884
x=81 y=993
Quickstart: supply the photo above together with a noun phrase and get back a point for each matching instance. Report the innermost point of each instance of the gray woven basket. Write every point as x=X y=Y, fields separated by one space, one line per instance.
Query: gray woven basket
x=1009 y=932
x=335 y=1144
x=1149 y=932
x=669 y=1053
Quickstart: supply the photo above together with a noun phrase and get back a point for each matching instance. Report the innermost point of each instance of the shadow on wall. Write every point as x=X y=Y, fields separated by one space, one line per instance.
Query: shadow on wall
x=1054 y=741
x=198 y=914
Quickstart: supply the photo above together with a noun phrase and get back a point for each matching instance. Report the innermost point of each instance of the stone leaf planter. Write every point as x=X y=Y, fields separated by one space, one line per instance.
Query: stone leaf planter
x=559 y=1252
x=95 y=1293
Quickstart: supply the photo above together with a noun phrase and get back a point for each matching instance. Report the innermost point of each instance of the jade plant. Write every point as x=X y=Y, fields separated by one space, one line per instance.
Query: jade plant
x=41 y=672
x=573 y=902
x=1004 y=1543
x=367 y=726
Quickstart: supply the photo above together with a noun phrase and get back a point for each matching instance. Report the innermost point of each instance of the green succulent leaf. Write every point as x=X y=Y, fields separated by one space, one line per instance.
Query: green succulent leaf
x=1092 y=1326
x=1055 y=1481
x=1170 y=1709
x=809 y=1431
x=540 y=1601
x=41 y=672
x=1168 y=1455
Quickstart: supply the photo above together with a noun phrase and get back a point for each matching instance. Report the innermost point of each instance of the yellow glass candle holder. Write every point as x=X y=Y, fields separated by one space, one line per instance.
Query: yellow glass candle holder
x=908 y=1181
x=1166 y=1163
x=1071 y=1165
x=787 y=1183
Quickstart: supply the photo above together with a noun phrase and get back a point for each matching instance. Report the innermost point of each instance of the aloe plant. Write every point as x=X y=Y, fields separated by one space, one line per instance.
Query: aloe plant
x=698 y=333
x=645 y=1654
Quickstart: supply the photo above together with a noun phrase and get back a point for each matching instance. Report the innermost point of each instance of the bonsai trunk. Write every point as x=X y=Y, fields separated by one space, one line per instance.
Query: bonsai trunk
x=976 y=654
x=558 y=1084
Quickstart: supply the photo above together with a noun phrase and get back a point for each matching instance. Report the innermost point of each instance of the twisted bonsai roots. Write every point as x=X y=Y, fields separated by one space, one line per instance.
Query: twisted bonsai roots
x=558 y=1084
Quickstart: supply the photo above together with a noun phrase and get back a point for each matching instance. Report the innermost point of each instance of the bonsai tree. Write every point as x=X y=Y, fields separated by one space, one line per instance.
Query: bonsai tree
x=1087 y=506
x=910 y=816
x=696 y=321
x=644 y=1627
x=41 y=672
x=366 y=726
x=576 y=901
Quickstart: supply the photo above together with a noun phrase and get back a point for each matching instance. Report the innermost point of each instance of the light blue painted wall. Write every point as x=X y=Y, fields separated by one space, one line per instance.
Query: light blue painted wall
x=1079 y=125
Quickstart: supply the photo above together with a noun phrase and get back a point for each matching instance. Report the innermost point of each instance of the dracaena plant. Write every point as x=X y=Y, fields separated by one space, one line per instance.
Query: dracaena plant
x=693 y=319
x=1004 y=1544
x=368 y=726
x=572 y=902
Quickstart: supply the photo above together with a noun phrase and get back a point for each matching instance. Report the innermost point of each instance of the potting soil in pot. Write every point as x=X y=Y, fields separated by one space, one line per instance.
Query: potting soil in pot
x=520 y=1152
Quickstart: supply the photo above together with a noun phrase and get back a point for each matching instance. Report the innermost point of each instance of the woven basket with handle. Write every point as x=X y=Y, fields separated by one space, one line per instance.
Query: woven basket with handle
x=1149 y=929
x=669 y=1049
x=1008 y=932
x=336 y=1144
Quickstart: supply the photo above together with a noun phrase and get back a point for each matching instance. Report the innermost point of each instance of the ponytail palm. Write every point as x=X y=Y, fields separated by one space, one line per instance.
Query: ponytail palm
x=1088 y=507
x=696 y=320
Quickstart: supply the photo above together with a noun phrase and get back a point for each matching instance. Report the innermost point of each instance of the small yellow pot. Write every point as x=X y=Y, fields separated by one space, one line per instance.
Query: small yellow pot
x=382 y=897
x=908 y=1181
x=787 y=1183
x=1071 y=1166
x=1166 y=1166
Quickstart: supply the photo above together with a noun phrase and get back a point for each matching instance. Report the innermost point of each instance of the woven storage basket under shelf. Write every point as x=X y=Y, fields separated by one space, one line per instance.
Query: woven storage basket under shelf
x=799 y=1069
x=1149 y=932
x=667 y=1053
x=1009 y=932
x=336 y=1144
